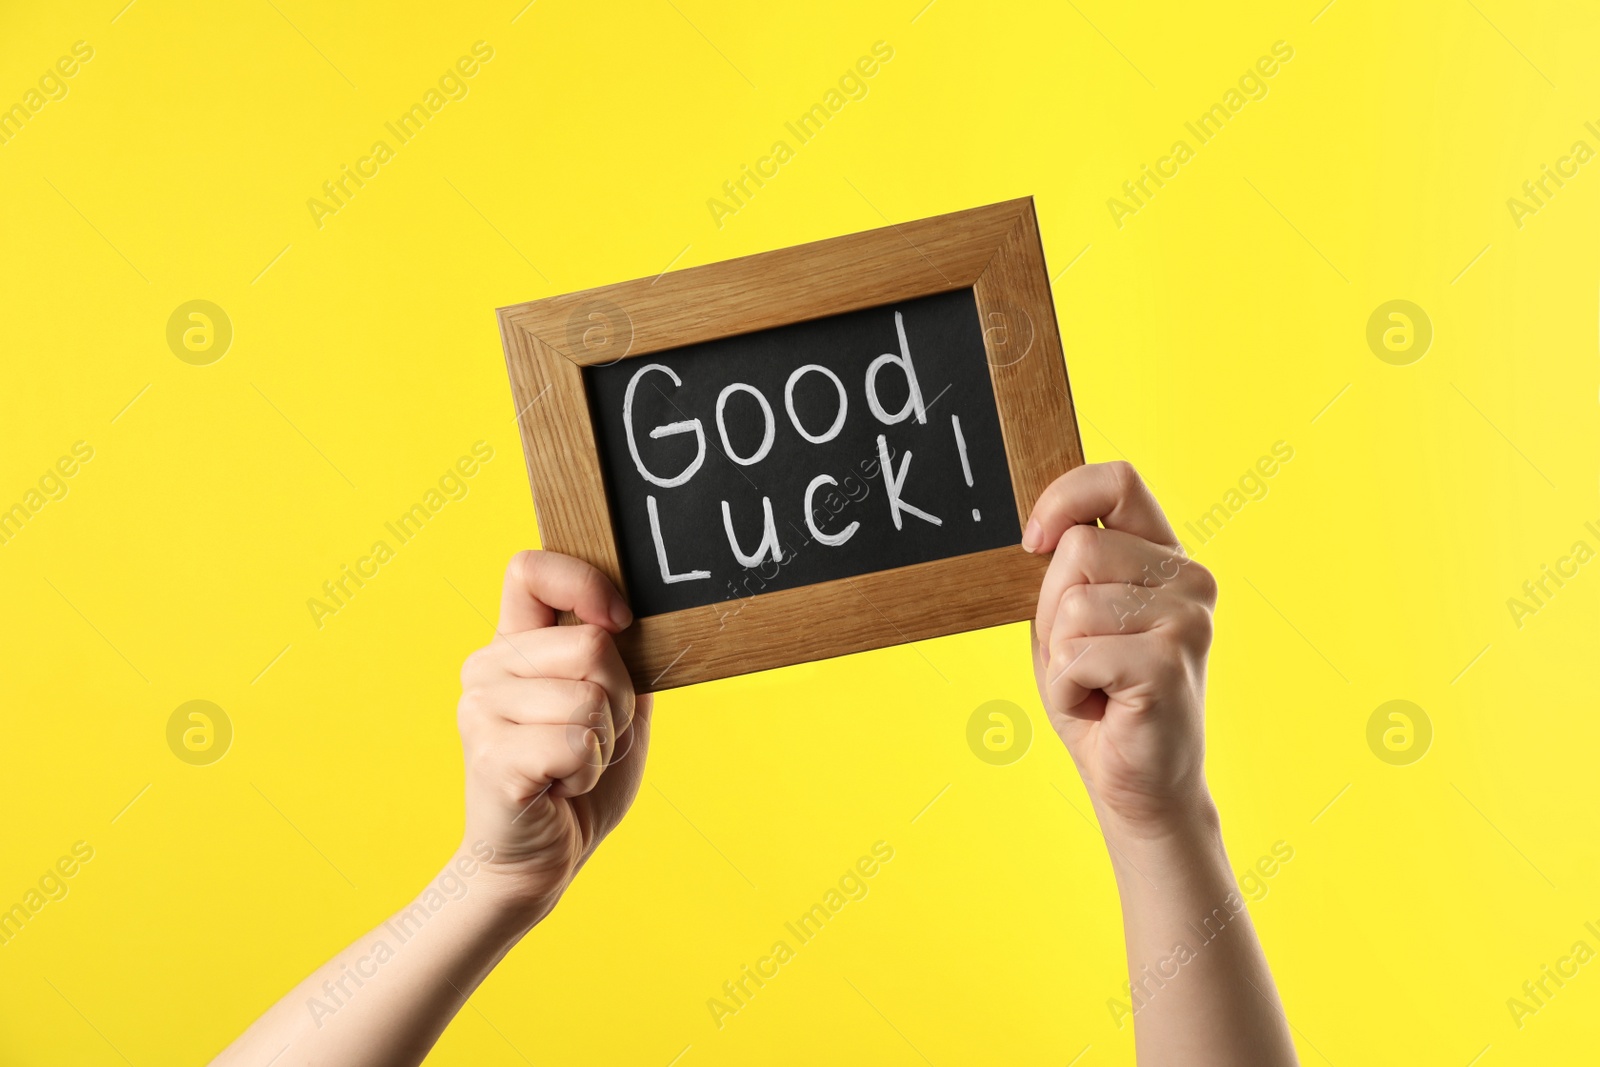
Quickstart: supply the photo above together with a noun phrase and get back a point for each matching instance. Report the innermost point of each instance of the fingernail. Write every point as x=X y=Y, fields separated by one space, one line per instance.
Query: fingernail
x=1031 y=535
x=620 y=614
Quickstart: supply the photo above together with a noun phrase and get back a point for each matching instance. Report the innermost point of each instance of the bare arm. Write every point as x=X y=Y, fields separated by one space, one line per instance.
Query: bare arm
x=1119 y=651
x=545 y=710
x=388 y=997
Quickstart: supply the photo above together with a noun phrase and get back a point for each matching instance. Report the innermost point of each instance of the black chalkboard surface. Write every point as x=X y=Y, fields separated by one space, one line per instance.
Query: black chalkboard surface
x=883 y=421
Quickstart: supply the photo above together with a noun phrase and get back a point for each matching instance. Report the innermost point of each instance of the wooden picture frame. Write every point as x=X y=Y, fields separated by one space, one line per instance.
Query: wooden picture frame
x=995 y=251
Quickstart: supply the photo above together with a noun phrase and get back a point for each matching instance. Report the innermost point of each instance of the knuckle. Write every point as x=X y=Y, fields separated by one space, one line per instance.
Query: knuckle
x=474 y=666
x=1125 y=474
x=521 y=562
x=473 y=706
x=483 y=760
x=1187 y=628
x=1080 y=543
x=1205 y=583
x=1076 y=607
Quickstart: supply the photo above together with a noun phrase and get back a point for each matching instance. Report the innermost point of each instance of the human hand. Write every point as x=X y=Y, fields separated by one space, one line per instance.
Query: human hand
x=553 y=737
x=1119 y=647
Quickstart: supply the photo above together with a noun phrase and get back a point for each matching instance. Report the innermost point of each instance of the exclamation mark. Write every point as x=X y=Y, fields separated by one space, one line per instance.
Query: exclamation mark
x=966 y=468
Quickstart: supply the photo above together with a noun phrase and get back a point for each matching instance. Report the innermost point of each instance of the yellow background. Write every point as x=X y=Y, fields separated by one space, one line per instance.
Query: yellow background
x=1223 y=317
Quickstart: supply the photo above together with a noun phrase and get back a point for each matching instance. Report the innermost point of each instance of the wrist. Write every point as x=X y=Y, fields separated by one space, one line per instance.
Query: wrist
x=1182 y=839
x=499 y=898
x=1191 y=816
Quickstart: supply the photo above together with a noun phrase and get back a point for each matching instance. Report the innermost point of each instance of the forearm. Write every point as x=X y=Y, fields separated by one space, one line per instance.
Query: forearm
x=386 y=998
x=554 y=741
x=1201 y=994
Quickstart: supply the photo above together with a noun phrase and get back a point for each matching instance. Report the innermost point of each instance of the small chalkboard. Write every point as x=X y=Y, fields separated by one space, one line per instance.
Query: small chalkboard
x=819 y=450
x=802 y=454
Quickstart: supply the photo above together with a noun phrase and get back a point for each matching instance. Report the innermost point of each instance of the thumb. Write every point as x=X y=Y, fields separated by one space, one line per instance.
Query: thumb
x=538 y=584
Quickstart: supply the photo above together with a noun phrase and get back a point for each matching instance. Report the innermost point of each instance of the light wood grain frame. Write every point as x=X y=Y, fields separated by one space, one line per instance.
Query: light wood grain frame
x=993 y=250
